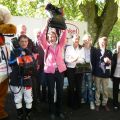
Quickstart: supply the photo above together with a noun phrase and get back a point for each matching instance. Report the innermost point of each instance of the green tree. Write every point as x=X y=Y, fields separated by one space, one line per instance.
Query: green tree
x=101 y=15
x=114 y=35
x=100 y=19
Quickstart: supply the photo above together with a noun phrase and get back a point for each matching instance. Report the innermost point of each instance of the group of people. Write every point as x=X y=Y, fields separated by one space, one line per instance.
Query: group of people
x=48 y=51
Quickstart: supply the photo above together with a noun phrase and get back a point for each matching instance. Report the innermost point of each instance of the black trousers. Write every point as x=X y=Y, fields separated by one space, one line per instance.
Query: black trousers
x=116 y=82
x=74 y=88
x=58 y=78
x=36 y=83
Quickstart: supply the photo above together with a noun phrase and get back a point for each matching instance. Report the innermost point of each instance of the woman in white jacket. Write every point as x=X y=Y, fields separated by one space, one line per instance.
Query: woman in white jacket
x=74 y=55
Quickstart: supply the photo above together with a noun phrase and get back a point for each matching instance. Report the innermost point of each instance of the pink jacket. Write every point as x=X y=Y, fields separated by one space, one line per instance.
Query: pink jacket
x=54 y=57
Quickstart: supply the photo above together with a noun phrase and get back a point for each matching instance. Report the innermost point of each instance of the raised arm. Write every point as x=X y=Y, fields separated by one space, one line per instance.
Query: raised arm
x=42 y=39
x=62 y=40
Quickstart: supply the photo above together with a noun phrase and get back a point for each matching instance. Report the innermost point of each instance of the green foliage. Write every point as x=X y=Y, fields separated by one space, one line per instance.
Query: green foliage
x=114 y=35
x=101 y=5
x=36 y=8
x=21 y=7
x=11 y=4
x=71 y=9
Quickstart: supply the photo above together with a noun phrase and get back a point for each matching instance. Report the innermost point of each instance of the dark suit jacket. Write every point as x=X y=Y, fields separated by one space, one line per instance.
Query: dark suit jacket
x=98 y=69
x=92 y=57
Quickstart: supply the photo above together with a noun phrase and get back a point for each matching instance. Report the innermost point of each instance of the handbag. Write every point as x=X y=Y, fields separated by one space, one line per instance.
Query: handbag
x=57 y=21
x=83 y=68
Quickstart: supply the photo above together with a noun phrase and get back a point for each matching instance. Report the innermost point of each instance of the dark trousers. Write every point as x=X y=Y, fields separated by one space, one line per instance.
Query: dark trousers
x=74 y=87
x=44 y=88
x=58 y=78
x=34 y=89
x=116 y=82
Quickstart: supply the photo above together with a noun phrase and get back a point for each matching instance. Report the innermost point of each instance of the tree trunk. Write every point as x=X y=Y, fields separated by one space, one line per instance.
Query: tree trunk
x=99 y=25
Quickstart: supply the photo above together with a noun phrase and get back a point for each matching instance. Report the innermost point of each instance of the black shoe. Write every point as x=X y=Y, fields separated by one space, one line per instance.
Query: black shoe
x=20 y=115
x=28 y=114
x=61 y=116
x=52 y=117
x=115 y=108
x=27 y=118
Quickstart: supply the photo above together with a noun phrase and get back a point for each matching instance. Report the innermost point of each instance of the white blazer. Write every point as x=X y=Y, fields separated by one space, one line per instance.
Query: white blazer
x=73 y=56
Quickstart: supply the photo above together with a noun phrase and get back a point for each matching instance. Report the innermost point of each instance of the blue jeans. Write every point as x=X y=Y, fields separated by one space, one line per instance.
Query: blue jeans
x=88 y=90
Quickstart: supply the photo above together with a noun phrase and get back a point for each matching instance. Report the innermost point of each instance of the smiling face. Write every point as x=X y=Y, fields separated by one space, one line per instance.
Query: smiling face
x=76 y=41
x=102 y=42
x=87 y=41
x=52 y=37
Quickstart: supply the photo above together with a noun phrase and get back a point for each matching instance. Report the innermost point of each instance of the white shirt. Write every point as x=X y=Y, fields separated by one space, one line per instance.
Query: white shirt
x=117 y=70
x=73 y=56
x=102 y=51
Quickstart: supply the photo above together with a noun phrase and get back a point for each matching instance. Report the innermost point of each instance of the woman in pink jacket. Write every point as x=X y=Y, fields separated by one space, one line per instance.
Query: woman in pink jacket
x=54 y=68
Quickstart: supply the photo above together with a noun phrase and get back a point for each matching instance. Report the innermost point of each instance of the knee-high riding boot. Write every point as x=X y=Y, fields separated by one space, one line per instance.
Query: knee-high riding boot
x=20 y=114
x=28 y=114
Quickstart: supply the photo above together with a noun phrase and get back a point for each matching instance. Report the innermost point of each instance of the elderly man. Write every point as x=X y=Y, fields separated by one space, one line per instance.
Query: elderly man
x=87 y=84
x=101 y=72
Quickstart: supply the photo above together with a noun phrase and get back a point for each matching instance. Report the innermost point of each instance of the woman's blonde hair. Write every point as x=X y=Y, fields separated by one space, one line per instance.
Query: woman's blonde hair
x=87 y=36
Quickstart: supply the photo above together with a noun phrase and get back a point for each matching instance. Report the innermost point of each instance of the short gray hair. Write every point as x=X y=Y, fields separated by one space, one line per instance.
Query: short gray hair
x=88 y=36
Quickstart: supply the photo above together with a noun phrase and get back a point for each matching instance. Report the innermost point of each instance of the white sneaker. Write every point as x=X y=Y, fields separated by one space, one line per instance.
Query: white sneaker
x=92 y=106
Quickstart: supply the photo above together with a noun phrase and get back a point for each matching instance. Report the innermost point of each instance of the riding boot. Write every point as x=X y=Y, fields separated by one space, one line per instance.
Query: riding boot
x=20 y=115
x=28 y=114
